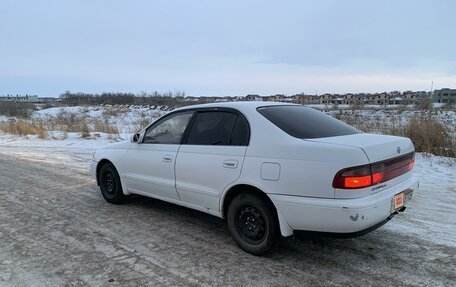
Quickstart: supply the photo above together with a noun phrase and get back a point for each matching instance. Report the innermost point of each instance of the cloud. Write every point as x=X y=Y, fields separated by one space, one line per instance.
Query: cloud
x=218 y=48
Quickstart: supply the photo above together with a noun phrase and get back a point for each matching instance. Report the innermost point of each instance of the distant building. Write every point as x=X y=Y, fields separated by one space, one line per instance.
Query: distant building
x=395 y=100
x=279 y=98
x=337 y=100
x=409 y=97
x=253 y=98
x=349 y=99
x=303 y=99
x=19 y=99
x=445 y=96
x=326 y=99
x=276 y=98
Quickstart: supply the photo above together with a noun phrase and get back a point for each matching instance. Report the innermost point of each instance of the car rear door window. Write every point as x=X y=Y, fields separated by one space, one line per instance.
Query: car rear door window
x=212 y=128
x=241 y=132
x=305 y=123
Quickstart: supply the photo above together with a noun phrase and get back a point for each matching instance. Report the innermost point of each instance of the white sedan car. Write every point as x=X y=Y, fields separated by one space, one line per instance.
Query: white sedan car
x=269 y=169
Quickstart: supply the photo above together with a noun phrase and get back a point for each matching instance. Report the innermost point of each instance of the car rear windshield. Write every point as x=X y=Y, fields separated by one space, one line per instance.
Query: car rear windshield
x=305 y=123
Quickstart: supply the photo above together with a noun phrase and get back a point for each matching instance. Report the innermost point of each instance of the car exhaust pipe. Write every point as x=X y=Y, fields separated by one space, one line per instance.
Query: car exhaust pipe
x=402 y=209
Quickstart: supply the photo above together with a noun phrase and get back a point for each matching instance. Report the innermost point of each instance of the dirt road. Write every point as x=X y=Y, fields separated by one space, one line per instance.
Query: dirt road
x=56 y=230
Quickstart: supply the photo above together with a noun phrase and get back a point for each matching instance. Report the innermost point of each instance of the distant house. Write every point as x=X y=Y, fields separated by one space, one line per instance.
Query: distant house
x=348 y=99
x=253 y=98
x=276 y=98
x=311 y=100
x=19 y=99
x=303 y=99
x=409 y=97
x=369 y=99
x=381 y=99
x=298 y=99
x=326 y=99
x=444 y=96
x=395 y=101
x=422 y=94
x=337 y=100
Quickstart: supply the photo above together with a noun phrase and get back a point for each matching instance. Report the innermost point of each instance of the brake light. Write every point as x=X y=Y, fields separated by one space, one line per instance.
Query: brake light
x=411 y=164
x=357 y=181
x=377 y=178
x=375 y=173
x=354 y=177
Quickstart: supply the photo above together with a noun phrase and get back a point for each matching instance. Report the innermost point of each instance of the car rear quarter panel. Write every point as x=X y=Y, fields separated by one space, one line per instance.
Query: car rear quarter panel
x=305 y=168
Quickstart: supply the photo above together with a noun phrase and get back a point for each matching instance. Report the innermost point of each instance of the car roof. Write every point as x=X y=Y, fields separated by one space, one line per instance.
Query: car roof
x=242 y=105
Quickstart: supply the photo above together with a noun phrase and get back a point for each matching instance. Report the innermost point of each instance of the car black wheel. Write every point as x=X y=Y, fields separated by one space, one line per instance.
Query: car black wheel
x=252 y=223
x=110 y=185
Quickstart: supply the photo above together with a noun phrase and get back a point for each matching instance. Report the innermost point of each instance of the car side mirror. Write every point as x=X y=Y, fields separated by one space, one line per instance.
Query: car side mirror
x=134 y=138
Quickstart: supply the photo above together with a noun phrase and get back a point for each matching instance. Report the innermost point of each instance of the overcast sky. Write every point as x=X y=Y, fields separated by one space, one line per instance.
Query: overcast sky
x=226 y=47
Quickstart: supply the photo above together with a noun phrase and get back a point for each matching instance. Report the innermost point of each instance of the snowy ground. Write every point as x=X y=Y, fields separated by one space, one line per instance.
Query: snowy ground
x=45 y=185
x=73 y=151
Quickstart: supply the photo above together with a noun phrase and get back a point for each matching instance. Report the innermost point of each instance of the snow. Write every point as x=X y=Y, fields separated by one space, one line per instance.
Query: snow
x=73 y=152
x=432 y=213
x=57 y=110
x=430 y=216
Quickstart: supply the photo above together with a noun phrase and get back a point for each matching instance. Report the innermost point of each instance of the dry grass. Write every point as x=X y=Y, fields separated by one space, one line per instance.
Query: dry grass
x=70 y=122
x=114 y=112
x=84 y=128
x=431 y=136
x=63 y=122
x=105 y=127
x=22 y=128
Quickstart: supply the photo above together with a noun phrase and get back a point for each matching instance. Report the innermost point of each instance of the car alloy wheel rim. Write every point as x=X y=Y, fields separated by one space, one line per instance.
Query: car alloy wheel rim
x=251 y=224
x=109 y=182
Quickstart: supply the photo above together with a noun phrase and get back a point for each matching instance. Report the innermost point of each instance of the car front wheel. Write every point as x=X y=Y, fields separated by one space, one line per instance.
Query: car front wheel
x=110 y=185
x=252 y=223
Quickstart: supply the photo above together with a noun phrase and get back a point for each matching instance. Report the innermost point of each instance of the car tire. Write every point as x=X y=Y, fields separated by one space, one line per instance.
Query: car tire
x=252 y=223
x=110 y=185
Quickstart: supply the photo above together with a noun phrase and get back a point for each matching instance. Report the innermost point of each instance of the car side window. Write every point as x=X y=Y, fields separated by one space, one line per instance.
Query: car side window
x=168 y=131
x=212 y=128
x=241 y=132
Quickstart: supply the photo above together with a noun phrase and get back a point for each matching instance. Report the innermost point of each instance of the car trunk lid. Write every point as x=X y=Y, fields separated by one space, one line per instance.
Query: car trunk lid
x=390 y=158
x=376 y=147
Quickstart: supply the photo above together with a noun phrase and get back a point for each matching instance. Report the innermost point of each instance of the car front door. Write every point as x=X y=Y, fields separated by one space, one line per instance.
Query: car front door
x=150 y=162
x=211 y=157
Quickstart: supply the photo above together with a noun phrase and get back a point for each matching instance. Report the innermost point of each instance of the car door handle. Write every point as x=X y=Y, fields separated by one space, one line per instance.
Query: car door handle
x=230 y=163
x=167 y=158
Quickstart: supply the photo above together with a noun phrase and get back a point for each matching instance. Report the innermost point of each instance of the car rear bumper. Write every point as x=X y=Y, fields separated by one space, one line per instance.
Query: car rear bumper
x=340 y=215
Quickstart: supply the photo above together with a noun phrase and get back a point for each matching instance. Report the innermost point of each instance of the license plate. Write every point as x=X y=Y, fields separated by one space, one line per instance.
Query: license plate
x=400 y=199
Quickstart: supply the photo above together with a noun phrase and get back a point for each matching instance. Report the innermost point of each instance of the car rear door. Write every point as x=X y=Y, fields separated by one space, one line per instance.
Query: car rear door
x=211 y=157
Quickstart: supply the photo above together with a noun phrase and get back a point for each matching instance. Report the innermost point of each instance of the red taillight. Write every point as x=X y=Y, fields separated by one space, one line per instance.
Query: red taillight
x=357 y=181
x=377 y=177
x=354 y=177
x=411 y=164
x=372 y=174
